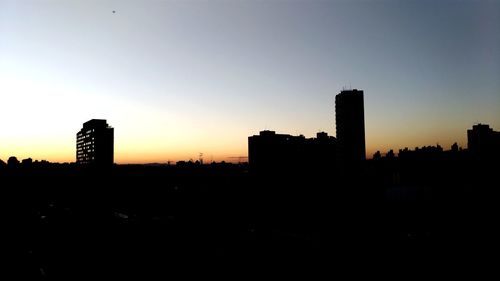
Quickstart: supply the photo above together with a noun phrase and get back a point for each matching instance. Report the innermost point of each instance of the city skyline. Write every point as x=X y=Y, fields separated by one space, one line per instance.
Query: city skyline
x=177 y=79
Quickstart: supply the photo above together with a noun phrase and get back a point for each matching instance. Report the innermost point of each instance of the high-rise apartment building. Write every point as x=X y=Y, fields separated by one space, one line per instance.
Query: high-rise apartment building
x=350 y=126
x=95 y=143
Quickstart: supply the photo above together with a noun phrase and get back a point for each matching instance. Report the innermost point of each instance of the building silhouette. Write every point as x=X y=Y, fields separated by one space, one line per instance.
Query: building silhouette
x=482 y=141
x=273 y=152
x=95 y=143
x=350 y=126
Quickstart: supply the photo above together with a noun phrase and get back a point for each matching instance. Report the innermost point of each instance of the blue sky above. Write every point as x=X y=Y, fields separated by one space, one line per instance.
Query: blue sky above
x=176 y=78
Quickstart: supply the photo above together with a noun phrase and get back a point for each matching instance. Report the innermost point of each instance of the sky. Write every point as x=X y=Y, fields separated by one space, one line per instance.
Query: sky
x=180 y=78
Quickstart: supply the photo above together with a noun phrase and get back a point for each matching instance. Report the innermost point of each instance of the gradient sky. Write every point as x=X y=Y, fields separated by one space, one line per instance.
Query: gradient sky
x=176 y=78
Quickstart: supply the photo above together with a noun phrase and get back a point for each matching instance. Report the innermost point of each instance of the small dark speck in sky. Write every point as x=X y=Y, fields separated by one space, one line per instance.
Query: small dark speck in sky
x=114 y=12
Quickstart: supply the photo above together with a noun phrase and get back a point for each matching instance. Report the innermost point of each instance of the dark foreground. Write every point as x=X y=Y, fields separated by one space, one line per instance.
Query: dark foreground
x=63 y=222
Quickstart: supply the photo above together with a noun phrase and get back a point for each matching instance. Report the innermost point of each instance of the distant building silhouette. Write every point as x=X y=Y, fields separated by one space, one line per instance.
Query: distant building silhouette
x=95 y=143
x=269 y=151
x=483 y=141
x=424 y=152
x=27 y=162
x=350 y=124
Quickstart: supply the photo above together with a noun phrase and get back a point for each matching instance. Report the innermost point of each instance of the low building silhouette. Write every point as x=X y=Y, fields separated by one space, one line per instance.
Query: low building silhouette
x=272 y=152
x=482 y=141
x=27 y=162
x=95 y=143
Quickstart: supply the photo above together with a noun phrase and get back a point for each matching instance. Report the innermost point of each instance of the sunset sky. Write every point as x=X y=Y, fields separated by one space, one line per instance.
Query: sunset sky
x=179 y=78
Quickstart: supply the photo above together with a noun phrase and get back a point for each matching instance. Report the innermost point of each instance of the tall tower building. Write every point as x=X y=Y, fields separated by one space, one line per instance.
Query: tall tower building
x=350 y=125
x=95 y=143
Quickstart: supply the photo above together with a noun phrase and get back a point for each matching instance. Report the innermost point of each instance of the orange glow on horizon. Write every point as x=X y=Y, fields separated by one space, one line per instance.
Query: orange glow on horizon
x=142 y=154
